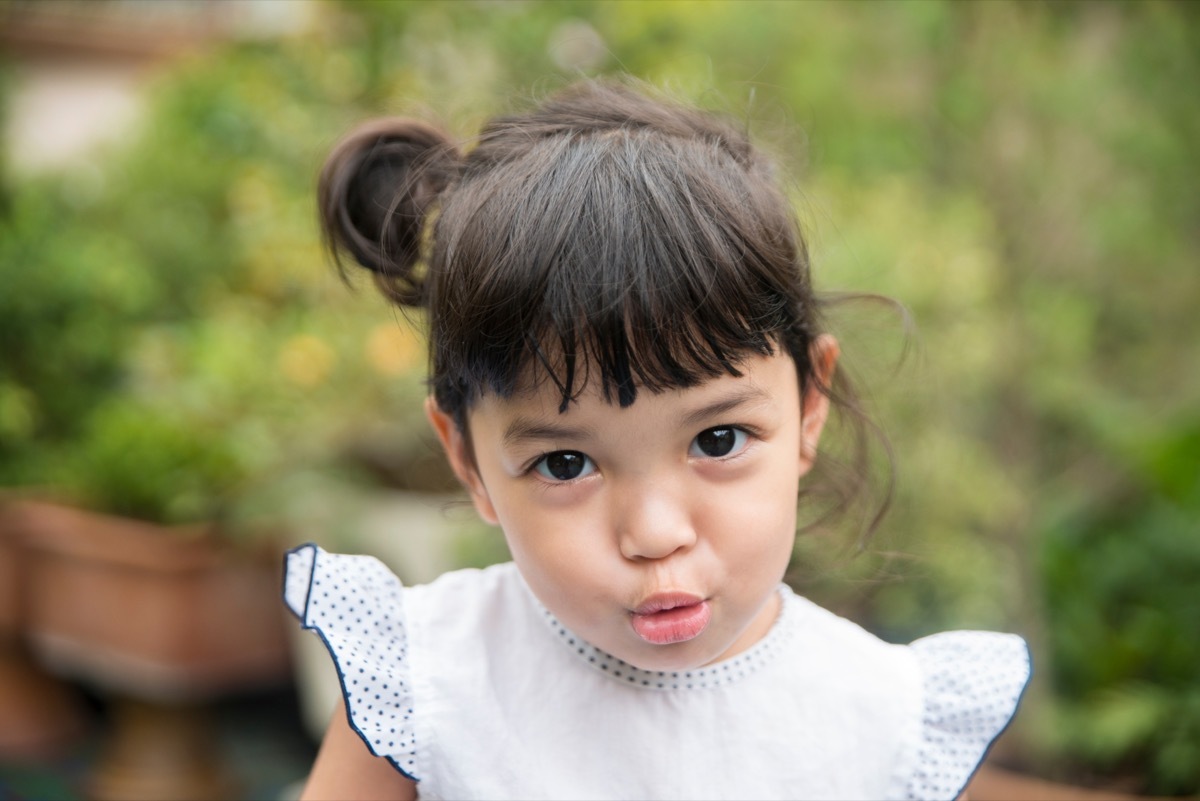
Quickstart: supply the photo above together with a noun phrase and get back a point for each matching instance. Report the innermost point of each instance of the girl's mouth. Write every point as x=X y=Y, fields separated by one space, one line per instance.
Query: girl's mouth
x=673 y=617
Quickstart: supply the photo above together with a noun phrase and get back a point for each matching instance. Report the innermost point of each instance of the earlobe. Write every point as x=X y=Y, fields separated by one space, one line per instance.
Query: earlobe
x=457 y=450
x=824 y=354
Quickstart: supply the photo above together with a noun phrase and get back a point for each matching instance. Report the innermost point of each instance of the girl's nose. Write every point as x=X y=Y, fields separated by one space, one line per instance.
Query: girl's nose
x=652 y=523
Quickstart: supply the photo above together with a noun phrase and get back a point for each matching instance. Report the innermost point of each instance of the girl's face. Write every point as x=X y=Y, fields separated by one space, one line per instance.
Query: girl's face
x=658 y=532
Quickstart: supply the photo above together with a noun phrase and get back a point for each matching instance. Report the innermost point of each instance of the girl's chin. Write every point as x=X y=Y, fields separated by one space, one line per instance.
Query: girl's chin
x=692 y=654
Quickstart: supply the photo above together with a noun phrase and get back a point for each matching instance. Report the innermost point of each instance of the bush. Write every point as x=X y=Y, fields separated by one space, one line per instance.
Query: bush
x=1120 y=582
x=139 y=462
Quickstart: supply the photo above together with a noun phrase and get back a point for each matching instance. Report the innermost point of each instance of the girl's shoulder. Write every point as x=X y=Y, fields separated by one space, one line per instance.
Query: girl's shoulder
x=952 y=693
x=982 y=662
x=358 y=586
x=365 y=617
x=971 y=685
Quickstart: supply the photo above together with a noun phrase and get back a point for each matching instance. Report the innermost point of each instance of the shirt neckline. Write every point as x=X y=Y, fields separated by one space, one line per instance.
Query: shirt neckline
x=721 y=673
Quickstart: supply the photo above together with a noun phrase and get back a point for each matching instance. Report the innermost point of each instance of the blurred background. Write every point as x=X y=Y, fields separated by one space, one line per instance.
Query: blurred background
x=187 y=388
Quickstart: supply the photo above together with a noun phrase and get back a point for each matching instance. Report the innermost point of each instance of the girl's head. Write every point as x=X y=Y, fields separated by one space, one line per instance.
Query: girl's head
x=627 y=365
x=606 y=236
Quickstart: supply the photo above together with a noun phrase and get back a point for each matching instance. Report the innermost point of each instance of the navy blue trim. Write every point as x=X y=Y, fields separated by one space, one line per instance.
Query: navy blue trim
x=302 y=617
x=333 y=656
x=283 y=585
x=987 y=749
x=401 y=770
x=312 y=572
x=346 y=706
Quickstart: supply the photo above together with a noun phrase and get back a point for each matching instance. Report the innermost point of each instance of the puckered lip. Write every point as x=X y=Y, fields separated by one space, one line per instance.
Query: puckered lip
x=662 y=601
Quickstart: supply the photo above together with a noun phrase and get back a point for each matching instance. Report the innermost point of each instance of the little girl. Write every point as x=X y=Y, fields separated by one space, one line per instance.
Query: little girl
x=629 y=377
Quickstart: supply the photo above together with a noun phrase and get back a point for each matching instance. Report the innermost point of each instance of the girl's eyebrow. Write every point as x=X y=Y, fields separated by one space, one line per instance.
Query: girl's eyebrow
x=524 y=429
x=735 y=400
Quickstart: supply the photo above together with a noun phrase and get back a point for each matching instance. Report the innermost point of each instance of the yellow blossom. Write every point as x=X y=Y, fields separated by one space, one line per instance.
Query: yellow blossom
x=392 y=348
x=306 y=360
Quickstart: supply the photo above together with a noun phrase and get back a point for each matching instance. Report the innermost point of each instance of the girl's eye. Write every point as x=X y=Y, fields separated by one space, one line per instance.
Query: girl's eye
x=720 y=441
x=564 y=465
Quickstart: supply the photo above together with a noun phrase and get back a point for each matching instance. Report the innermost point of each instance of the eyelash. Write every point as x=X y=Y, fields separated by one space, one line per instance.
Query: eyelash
x=741 y=440
x=536 y=463
x=747 y=432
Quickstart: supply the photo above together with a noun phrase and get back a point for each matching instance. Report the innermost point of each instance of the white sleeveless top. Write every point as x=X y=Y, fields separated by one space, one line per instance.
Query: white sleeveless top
x=470 y=687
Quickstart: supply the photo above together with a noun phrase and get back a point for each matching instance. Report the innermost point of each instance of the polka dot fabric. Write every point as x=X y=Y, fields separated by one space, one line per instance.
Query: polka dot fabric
x=355 y=605
x=972 y=682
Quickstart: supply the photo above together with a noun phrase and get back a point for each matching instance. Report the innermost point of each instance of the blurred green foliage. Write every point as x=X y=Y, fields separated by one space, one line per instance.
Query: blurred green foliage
x=1119 y=574
x=1019 y=175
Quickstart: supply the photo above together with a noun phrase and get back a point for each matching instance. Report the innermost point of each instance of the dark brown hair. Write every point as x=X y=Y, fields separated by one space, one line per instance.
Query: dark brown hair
x=606 y=235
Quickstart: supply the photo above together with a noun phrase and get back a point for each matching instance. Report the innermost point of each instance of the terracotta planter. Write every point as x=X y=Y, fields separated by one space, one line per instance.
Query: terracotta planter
x=159 y=621
x=12 y=572
x=40 y=715
x=154 y=613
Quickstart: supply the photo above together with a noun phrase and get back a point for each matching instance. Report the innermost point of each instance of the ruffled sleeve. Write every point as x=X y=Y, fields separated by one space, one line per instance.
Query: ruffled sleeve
x=356 y=606
x=971 y=682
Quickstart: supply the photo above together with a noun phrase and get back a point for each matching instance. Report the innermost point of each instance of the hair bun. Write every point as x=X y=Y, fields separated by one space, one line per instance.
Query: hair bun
x=374 y=192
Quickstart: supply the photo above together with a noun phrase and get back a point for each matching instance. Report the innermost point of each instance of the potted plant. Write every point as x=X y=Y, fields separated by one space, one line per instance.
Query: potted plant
x=40 y=715
x=140 y=583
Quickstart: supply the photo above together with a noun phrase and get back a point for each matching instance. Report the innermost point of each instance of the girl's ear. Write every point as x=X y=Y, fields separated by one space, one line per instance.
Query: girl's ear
x=824 y=354
x=462 y=461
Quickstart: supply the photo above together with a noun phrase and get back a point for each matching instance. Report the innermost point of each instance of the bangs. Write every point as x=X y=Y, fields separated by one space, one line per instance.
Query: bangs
x=624 y=257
